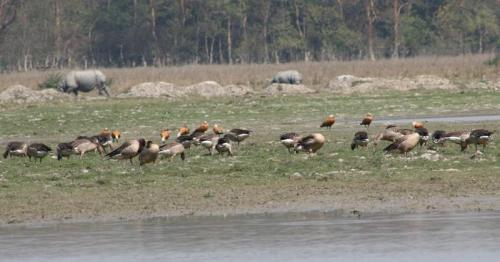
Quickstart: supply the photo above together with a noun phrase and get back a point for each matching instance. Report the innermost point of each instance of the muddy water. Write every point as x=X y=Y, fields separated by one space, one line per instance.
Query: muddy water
x=292 y=237
x=440 y=119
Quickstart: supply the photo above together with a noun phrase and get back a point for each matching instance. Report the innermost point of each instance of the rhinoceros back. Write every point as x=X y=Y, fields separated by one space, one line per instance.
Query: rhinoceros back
x=288 y=77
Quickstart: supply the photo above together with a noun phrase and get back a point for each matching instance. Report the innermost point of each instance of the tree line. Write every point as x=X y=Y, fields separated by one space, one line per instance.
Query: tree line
x=42 y=34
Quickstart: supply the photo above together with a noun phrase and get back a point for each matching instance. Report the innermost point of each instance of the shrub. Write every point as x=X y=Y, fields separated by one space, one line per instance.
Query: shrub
x=52 y=81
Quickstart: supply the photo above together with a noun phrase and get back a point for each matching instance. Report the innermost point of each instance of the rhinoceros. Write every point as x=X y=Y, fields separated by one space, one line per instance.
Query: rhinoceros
x=84 y=81
x=288 y=77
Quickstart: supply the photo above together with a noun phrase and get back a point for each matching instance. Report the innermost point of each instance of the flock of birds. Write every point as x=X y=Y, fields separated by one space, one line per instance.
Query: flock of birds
x=402 y=141
x=147 y=151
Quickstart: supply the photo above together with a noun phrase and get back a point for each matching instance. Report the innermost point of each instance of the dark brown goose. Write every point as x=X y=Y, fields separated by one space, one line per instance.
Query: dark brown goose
x=238 y=134
x=360 y=139
x=149 y=154
x=38 y=150
x=128 y=150
x=64 y=150
x=16 y=148
x=224 y=146
x=480 y=136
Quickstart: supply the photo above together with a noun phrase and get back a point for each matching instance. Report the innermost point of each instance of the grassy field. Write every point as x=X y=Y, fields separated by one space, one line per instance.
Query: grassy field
x=257 y=178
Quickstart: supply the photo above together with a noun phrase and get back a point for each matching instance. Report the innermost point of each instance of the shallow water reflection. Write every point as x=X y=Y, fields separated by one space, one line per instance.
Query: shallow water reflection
x=291 y=237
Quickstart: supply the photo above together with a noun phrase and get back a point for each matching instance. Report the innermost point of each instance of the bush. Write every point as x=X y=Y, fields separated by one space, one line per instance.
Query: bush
x=52 y=81
x=494 y=61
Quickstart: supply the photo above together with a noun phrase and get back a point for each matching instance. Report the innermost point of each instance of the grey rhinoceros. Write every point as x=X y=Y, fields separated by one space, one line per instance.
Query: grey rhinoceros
x=84 y=81
x=288 y=77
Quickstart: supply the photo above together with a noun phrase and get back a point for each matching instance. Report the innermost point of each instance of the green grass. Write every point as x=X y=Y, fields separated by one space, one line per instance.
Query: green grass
x=258 y=173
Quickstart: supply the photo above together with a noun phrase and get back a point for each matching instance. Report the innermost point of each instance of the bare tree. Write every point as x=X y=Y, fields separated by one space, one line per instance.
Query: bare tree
x=370 y=17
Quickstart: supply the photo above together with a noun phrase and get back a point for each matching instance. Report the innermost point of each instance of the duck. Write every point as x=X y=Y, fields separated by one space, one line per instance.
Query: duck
x=84 y=145
x=311 y=143
x=164 y=134
x=391 y=133
x=224 y=146
x=289 y=140
x=116 y=135
x=183 y=130
x=367 y=120
x=360 y=139
x=404 y=144
x=479 y=136
x=424 y=135
x=457 y=137
x=128 y=150
x=209 y=141
x=149 y=154
x=185 y=140
x=218 y=130
x=418 y=124
x=38 y=150
x=64 y=150
x=170 y=150
x=16 y=148
x=202 y=128
x=104 y=140
x=437 y=135
x=329 y=121
x=238 y=134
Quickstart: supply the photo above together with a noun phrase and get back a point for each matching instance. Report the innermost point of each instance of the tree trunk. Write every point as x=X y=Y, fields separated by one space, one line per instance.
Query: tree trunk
x=267 y=7
x=221 y=54
x=396 y=14
x=229 y=42
x=207 y=51
x=244 y=25
x=370 y=17
x=212 y=51
x=57 y=32
x=156 y=51
x=480 y=42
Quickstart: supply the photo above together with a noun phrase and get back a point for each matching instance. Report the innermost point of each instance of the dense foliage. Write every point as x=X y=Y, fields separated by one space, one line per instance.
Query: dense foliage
x=82 y=33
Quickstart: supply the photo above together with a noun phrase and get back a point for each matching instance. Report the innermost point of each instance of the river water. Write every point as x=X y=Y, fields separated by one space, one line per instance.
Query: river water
x=284 y=237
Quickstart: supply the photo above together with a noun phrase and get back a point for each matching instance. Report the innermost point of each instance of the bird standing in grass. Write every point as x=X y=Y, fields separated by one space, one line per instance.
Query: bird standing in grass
x=404 y=144
x=224 y=146
x=367 y=120
x=164 y=134
x=202 y=128
x=81 y=146
x=116 y=135
x=418 y=124
x=424 y=135
x=38 y=150
x=170 y=150
x=209 y=141
x=329 y=121
x=218 y=130
x=360 y=139
x=149 y=154
x=457 y=137
x=238 y=134
x=128 y=150
x=64 y=150
x=289 y=140
x=480 y=136
x=16 y=148
x=311 y=143
x=183 y=130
